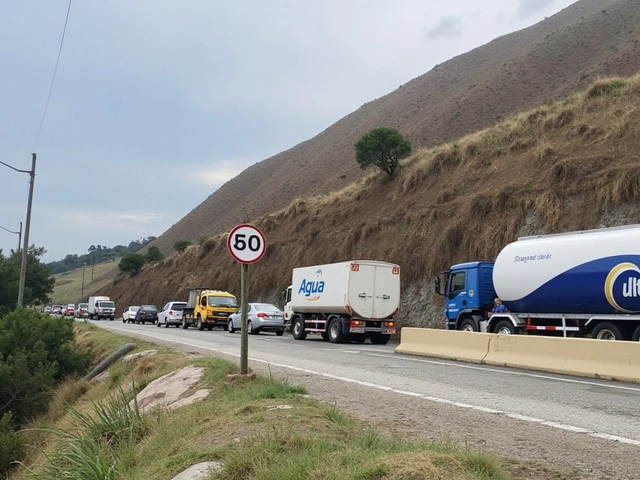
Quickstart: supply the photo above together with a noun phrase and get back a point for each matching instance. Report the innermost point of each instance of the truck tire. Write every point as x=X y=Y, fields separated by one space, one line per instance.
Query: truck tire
x=185 y=325
x=380 y=338
x=505 y=327
x=636 y=335
x=297 y=329
x=199 y=323
x=468 y=325
x=607 y=331
x=335 y=331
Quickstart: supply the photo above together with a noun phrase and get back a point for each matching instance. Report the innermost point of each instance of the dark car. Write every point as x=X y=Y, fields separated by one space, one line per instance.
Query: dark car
x=146 y=313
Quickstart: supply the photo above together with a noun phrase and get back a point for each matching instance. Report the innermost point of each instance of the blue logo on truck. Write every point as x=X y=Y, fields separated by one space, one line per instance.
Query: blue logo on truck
x=622 y=287
x=312 y=288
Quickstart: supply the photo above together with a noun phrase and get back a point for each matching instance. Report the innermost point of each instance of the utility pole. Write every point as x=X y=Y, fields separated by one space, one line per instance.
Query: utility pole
x=82 y=294
x=25 y=248
x=19 y=233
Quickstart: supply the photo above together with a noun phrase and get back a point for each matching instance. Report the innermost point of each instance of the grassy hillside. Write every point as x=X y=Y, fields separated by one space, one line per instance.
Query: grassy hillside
x=566 y=165
x=559 y=56
x=68 y=288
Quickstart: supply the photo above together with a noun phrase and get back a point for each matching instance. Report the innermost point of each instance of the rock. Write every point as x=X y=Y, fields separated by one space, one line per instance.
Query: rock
x=280 y=407
x=168 y=390
x=199 y=471
x=133 y=356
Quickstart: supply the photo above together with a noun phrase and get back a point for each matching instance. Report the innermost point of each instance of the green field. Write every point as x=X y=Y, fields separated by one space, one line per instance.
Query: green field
x=68 y=288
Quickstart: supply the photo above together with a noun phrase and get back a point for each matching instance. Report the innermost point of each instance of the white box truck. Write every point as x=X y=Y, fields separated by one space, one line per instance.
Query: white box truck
x=101 y=307
x=346 y=301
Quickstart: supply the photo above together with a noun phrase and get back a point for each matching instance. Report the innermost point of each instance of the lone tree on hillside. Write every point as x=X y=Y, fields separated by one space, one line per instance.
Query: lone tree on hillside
x=383 y=147
x=181 y=245
x=154 y=255
x=132 y=263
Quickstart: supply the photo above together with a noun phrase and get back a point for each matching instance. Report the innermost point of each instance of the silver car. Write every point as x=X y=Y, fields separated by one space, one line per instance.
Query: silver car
x=129 y=314
x=171 y=314
x=261 y=317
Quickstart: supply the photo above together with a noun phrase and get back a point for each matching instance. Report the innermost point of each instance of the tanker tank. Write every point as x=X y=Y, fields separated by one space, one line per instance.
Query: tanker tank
x=588 y=272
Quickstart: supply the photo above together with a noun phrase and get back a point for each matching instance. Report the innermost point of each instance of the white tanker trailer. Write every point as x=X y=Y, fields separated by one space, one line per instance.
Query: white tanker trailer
x=571 y=284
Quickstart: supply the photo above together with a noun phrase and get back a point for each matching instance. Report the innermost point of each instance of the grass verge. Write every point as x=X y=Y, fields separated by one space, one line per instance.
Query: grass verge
x=260 y=429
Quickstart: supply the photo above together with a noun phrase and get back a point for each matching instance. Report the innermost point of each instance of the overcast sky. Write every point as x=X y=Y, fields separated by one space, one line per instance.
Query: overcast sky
x=157 y=103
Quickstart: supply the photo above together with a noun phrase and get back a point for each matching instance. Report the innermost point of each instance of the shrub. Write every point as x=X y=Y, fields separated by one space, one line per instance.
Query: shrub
x=11 y=447
x=181 y=245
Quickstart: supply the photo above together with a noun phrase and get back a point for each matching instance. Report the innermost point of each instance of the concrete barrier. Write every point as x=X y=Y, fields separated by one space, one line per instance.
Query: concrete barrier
x=583 y=357
x=466 y=346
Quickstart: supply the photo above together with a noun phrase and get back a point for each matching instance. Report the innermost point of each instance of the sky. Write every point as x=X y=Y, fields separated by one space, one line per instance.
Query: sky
x=157 y=103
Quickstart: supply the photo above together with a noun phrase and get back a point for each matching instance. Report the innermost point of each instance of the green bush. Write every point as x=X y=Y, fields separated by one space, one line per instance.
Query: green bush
x=11 y=446
x=35 y=353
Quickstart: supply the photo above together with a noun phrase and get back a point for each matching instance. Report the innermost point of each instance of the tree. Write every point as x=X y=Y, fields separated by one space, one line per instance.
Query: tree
x=382 y=147
x=132 y=263
x=38 y=280
x=154 y=254
x=181 y=245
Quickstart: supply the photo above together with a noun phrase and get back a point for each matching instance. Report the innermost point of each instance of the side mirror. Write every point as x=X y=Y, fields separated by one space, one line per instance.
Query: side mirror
x=436 y=284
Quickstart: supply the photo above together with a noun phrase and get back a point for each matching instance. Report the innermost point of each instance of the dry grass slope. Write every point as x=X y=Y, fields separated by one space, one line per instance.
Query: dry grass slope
x=557 y=57
x=566 y=165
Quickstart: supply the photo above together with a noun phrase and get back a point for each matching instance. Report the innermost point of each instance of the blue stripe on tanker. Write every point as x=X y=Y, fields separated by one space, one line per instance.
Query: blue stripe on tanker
x=605 y=285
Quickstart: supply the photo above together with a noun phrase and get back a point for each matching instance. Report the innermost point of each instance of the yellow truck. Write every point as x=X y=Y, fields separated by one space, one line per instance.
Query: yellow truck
x=208 y=308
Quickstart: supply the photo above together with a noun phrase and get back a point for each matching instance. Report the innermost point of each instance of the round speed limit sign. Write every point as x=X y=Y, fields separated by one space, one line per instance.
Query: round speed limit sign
x=246 y=243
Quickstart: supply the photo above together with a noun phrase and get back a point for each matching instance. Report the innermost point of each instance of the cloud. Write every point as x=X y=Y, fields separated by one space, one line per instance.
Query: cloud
x=216 y=174
x=526 y=8
x=101 y=220
x=447 y=27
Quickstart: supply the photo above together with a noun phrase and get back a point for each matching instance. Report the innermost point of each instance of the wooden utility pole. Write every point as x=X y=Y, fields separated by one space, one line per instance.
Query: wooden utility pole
x=25 y=248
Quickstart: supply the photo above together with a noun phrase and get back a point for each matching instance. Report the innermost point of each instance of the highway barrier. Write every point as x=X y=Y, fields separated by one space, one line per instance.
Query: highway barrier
x=573 y=356
x=456 y=345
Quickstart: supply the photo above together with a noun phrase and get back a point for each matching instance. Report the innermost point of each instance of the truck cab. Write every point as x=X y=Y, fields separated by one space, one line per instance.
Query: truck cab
x=469 y=295
x=208 y=308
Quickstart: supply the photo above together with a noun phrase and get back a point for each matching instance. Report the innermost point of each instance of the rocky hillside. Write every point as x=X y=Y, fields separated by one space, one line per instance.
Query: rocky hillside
x=565 y=165
x=561 y=55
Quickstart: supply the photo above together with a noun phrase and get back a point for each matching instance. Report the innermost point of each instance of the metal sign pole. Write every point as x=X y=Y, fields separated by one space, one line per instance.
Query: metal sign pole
x=244 y=337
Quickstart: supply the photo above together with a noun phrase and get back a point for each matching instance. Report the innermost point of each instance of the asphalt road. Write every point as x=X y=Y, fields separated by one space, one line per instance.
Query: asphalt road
x=591 y=425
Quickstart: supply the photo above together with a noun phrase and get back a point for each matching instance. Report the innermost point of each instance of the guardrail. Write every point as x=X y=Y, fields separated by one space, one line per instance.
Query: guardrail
x=614 y=360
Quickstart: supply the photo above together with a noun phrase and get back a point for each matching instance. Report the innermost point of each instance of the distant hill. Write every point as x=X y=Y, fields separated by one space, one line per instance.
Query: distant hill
x=561 y=55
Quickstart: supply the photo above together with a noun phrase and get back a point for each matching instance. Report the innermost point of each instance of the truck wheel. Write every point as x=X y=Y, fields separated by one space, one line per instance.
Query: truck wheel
x=297 y=329
x=230 y=327
x=199 y=323
x=185 y=325
x=636 y=335
x=468 y=325
x=505 y=327
x=335 y=331
x=607 y=331
x=380 y=338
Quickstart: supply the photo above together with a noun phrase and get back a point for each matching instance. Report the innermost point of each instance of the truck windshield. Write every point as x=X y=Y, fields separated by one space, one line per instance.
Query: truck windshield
x=223 y=302
x=106 y=304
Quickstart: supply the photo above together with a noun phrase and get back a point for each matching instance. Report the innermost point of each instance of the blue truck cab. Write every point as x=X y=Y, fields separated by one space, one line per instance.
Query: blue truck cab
x=469 y=295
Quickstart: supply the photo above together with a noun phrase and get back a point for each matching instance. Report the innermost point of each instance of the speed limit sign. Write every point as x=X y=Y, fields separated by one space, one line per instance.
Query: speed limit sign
x=246 y=243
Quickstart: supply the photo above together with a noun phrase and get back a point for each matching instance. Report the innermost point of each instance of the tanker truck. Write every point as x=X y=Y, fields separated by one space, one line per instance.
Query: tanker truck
x=584 y=283
x=348 y=301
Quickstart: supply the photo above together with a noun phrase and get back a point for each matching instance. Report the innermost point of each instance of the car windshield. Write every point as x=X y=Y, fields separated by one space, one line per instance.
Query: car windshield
x=223 y=302
x=106 y=304
x=178 y=306
x=134 y=309
x=266 y=307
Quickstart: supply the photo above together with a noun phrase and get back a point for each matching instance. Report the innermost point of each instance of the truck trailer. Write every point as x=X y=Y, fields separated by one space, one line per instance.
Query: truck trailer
x=346 y=301
x=584 y=283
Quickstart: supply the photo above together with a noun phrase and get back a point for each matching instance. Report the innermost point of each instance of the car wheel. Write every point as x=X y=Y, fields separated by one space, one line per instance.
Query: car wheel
x=230 y=327
x=166 y=323
x=279 y=332
x=123 y=320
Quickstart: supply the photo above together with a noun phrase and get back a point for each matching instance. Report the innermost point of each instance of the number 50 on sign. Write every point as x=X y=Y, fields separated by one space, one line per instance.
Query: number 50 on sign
x=246 y=243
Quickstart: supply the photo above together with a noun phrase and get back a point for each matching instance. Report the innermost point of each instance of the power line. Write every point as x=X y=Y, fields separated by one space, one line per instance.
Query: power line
x=53 y=79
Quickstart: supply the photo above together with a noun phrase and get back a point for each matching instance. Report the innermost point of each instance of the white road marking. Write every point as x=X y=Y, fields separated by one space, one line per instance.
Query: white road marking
x=560 y=426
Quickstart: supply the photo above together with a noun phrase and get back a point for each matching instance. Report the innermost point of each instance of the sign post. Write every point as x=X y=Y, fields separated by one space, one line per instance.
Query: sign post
x=247 y=245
